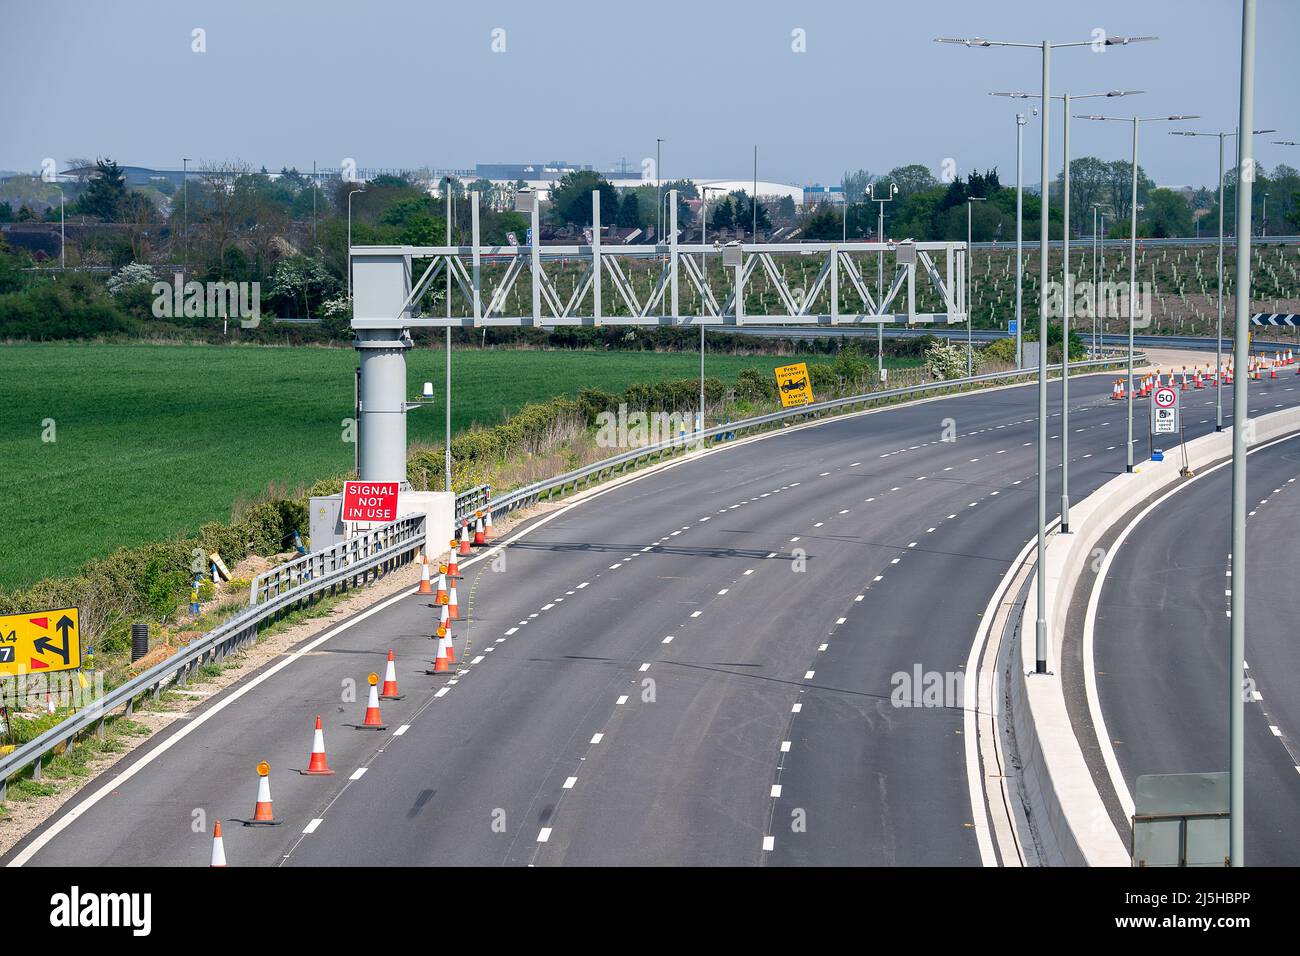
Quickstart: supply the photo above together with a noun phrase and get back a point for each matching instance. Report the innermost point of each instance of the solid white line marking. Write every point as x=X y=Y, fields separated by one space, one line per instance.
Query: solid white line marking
x=311 y=827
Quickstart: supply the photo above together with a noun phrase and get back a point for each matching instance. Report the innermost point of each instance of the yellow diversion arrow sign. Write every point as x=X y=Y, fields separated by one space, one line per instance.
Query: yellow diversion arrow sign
x=40 y=641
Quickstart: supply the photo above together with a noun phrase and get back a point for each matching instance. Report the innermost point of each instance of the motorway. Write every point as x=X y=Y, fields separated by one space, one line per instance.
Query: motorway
x=1161 y=654
x=691 y=667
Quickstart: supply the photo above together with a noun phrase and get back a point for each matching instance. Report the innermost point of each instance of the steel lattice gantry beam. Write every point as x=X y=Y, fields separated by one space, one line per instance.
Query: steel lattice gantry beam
x=718 y=276
x=390 y=285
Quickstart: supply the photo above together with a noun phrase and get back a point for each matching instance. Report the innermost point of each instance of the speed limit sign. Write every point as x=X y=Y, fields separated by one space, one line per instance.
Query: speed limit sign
x=1165 y=411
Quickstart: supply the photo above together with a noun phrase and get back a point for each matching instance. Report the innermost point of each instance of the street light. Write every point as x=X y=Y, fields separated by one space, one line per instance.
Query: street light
x=185 y=201
x=880 y=278
x=63 y=244
x=659 y=229
x=1045 y=47
x=1097 y=207
x=350 y=195
x=1218 y=337
x=970 y=312
x=1067 y=298
x=1132 y=250
x=1236 y=662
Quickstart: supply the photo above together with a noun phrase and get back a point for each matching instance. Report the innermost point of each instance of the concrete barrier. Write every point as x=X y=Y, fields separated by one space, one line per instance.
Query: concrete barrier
x=1073 y=825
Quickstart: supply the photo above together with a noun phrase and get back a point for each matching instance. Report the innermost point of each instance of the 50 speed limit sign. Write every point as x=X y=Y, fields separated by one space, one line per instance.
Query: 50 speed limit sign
x=1165 y=411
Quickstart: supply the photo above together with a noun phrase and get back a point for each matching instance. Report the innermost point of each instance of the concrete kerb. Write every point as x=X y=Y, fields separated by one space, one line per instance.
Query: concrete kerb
x=1071 y=818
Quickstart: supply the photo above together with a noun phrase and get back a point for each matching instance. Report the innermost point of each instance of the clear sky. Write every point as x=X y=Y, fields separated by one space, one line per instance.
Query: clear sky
x=408 y=83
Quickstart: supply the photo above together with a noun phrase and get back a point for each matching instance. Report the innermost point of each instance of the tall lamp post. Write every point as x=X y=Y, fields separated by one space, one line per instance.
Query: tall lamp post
x=1136 y=121
x=880 y=262
x=659 y=229
x=351 y=193
x=185 y=203
x=1067 y=288
x=63 y=253
x=1097 y=207
x=1045 y=48
x=970 y=308
x=1236 y=664
x=1218 y=335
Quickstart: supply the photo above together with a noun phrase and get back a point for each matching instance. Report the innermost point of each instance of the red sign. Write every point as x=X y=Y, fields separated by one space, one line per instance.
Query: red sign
x=369 y=501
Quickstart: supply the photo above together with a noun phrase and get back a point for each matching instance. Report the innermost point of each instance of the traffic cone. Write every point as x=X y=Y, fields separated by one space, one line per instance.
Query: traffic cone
x=442 y=585
x=450 y=648
x=453 y=566
x=1114 y=391
x=480 y=536
x=389 y=690
x=218 y=847
x=263 y=815
x=452 y=606
x=1272 y=372
x=487 y=522
x=425 y=587
x=316 y=766
x=372 y=719
x=440 y=663
x=464 y=536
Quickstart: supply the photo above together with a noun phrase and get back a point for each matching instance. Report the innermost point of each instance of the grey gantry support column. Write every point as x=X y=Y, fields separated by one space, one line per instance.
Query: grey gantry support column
x=381 y=287
x=477 y=259
x=595 y=256
x=535 y=252
x=672 y=253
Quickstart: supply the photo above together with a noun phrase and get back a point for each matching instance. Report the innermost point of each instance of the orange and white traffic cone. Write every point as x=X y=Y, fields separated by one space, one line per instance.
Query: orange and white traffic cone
x=389 y=690
x=372 y=720
x=464 y=536
x=1273 y=371
x=480 y=536
x=218 y=847
x=453 y=566
x=316 y=766
x=441 y=597
x=487 y=523
x=263 y=814
x=452 y=606
x=441 y=665
x=425 y=587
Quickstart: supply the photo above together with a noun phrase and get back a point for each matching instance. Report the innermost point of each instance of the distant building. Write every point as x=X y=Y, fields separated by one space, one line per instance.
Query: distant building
x=817 y=194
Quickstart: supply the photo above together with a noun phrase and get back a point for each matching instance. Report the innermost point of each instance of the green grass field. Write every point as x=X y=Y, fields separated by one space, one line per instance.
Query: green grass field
x=154 y=440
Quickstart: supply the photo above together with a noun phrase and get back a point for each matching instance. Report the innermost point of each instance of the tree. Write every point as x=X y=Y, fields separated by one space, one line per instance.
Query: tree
x=1167 y=214
x=106 y=193
x=629 y=211
x=910 y=179
x=745 y=216
x=722 y=215
x=571 y=197
x=855 y=185
x=823 y=224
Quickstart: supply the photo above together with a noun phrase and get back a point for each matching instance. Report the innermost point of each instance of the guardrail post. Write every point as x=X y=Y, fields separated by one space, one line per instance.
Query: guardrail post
x=36 y=768
x=4 y=789
x=101 y=728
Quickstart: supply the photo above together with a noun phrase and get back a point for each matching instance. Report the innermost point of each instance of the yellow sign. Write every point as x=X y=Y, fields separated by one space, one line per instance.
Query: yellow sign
x=794 y=385
x=40 y=641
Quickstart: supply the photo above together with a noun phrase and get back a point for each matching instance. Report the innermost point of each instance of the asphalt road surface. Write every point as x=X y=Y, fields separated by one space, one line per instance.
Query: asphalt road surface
x=694 y=667
x=1161 y=644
